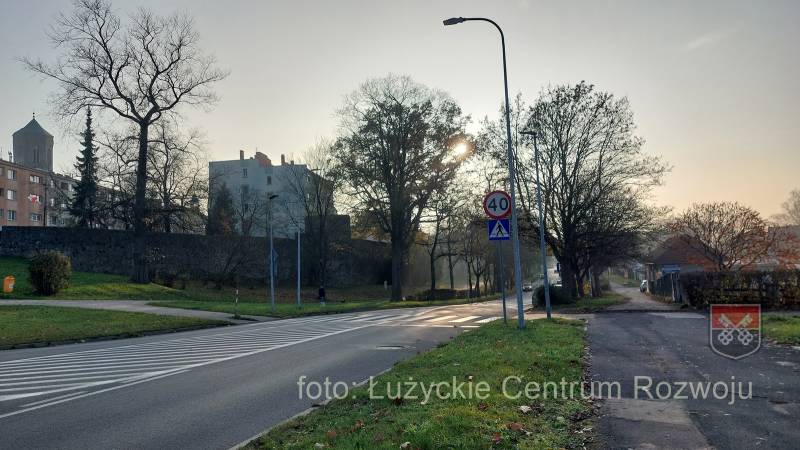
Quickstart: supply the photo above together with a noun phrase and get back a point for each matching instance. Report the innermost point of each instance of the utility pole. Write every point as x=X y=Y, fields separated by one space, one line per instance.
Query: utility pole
x=299 y=304
x=542 y=250
x=271 y=257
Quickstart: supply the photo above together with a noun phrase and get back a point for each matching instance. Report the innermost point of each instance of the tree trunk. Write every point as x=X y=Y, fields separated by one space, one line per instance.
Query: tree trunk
x=450 y=267
x=433 y=276
x=597 y=289
x=397 y=269
x=140 y=274
x=568 y=281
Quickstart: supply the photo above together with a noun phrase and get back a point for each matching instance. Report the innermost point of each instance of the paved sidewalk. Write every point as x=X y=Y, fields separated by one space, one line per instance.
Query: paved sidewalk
x=137 y=306
x=638 y=301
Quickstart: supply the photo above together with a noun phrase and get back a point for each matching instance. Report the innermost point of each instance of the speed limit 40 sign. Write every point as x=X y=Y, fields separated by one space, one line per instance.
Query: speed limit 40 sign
x=497 y=204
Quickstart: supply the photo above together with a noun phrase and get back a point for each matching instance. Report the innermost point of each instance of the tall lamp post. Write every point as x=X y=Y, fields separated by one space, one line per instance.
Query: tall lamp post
x=271 y=257
x=546 y=285
x=511 y=174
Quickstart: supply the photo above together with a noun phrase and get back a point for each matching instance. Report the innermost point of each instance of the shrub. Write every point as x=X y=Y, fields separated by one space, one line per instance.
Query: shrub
x=49 y=272
x=777 y=289
x=557 y=296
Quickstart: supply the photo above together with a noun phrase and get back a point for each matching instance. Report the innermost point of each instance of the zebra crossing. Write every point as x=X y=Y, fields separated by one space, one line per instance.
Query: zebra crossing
x=32 y=383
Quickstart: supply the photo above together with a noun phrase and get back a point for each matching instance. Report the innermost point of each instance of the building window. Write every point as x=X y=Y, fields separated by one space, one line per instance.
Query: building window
x=11 y=174
x=36 y=217
x=1 y=214
x=52 y=202
x=269 y=180
x=35 y=179
x=12 y=216
x=63 y=186
x=1 y=192
x=11 y=195
x=244 y=172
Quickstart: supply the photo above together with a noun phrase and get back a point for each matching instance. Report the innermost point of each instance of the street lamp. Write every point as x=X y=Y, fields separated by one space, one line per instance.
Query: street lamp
x=511 y=175
x=541 y=219
x=271 y=256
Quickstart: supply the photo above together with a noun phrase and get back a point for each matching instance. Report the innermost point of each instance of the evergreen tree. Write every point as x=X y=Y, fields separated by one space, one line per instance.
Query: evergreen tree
x=221 y=213
x=84 y=205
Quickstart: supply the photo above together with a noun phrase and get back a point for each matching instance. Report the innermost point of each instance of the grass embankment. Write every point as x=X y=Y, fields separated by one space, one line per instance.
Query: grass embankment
x=85 y=286
x=587 y=305
x=544 y=351
x=46 y=324
x=253 y=300
x=784 y=329
x=312 y=307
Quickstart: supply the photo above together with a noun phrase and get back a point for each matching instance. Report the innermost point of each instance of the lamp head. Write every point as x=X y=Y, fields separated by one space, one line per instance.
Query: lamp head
x=453 y=21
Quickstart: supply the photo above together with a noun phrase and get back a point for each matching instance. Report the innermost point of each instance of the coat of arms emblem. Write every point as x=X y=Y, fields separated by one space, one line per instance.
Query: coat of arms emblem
x=735 y=330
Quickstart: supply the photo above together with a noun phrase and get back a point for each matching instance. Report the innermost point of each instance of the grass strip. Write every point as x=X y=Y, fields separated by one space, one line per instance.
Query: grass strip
x=544 y=351
x=47 y=324
x=784 y=328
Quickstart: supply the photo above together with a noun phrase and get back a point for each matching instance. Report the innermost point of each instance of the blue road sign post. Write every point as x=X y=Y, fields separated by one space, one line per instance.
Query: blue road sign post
x=499 y=230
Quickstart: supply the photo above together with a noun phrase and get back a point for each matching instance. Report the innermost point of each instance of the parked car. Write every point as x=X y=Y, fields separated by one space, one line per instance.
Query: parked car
x=643 y=286
x=527 y=287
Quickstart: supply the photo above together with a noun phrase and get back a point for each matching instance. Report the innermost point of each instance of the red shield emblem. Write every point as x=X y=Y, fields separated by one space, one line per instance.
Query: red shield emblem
x=735 y=330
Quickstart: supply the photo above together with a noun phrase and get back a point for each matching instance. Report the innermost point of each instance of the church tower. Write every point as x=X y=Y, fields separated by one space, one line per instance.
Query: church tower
x=33 y=146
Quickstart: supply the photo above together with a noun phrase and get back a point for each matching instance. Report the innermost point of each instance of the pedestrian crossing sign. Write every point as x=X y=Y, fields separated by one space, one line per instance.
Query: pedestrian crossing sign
x=498 y=229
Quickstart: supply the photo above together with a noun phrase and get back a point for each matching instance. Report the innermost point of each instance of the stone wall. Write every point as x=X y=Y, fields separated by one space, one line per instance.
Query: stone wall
x=198 y=256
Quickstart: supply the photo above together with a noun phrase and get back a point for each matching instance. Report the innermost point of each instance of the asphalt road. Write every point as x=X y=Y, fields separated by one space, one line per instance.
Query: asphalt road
x=204 y=389
x=673 y=347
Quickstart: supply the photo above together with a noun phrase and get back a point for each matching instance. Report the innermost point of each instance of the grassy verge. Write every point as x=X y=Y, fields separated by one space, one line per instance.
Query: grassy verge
x=263 y=308
x=44 y=324
x=197 y=295
x=587 y=305
x=784 y=329
x=85 y=286
x=544 y=351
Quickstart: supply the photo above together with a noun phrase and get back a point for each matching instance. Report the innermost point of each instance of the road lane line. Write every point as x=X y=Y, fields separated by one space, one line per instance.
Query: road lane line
x=464 y=319
x=439 y=319
x=488 y=319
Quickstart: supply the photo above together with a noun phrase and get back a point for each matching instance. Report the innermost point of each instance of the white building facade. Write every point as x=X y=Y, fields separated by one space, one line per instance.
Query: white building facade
x=252 y=181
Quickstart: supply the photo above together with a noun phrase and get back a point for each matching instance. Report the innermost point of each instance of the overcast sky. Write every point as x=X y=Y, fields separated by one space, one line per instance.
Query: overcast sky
x=713 y=84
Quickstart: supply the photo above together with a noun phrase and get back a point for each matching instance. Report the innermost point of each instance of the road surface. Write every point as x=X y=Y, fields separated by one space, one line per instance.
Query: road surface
x=672 y=347
x=209 y=388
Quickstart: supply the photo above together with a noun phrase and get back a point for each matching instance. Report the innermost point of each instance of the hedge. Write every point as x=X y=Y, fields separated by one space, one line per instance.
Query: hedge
x=777 y=289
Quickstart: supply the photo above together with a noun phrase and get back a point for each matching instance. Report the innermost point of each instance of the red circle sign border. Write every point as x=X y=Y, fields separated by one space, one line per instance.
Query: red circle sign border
x=486 y=210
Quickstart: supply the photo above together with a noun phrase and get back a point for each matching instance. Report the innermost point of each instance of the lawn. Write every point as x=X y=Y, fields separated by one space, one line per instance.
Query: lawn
x=544 y=351
x=784 y=329
x=197 y=295
x=287 y=309
x=587 y=305
x=85 y=286
x=46 y=324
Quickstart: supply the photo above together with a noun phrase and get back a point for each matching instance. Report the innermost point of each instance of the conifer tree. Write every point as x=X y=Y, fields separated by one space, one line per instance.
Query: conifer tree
x=84 y=205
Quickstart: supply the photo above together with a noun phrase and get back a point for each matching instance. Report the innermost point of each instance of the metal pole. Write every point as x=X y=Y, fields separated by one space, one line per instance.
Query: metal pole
x=271 y=262
x=299 y=305
x=511 y=175
x=541 y=229
x=502 y=279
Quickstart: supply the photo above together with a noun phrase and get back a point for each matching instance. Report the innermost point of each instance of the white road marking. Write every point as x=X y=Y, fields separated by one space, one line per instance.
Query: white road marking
x=439 y=319
x=488 y=319
x=464 y=319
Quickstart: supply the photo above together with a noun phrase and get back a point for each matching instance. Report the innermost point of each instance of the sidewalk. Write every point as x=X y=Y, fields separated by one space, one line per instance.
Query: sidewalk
x=137 y=306
x=638 y=301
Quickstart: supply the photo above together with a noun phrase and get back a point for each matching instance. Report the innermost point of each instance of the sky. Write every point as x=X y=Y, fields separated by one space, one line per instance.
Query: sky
x=713 y=84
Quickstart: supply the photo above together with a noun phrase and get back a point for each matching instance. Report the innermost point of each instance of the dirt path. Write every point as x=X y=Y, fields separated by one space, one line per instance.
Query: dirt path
x=638 y=301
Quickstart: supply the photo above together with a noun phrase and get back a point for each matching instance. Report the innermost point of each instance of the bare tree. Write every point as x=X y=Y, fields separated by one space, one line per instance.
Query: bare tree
x=177 y=179
x=396 y=148
x=311 y=190
x=730 y=235
x=791 y=210
x=139 y=72
x=588 y=156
